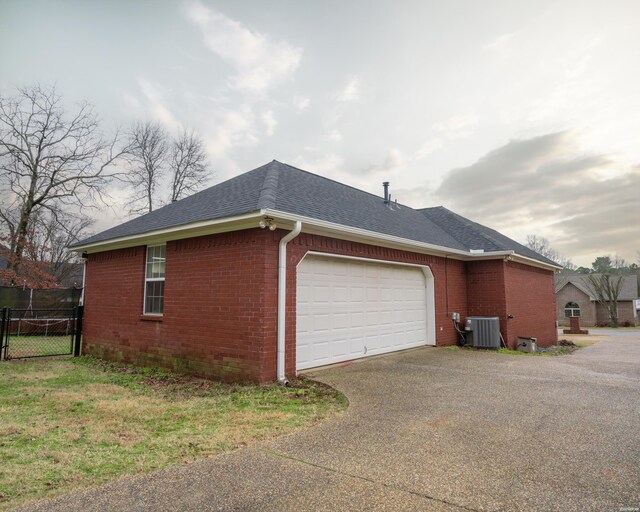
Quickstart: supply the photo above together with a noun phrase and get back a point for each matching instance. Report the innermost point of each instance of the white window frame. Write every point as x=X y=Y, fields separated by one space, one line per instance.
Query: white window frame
x=152 y=279
x=572 y=310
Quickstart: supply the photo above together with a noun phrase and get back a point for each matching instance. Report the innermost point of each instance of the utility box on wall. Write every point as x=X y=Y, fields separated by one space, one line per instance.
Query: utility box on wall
x=483 y=332
x=526 y=344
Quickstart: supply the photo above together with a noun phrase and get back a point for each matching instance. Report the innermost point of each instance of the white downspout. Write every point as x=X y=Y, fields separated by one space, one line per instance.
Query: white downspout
x=282 y=298
x=84 y=278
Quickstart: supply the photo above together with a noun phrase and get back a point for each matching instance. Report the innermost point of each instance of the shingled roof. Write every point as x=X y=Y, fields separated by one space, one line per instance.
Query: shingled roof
x=476 y=236
x=628 y=290
x=283 y=188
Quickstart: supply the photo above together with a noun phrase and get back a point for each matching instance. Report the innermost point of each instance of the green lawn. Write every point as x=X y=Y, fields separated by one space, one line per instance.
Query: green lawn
x=67 y=423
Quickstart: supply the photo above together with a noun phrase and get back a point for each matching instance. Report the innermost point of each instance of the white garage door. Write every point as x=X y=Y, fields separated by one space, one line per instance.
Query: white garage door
x=347 y=309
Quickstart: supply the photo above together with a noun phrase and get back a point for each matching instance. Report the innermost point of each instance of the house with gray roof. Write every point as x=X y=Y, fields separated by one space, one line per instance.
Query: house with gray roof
x=575 y=296
x=279 y=270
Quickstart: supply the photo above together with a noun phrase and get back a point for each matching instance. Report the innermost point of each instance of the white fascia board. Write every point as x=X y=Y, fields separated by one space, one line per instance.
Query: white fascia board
x=331 y=229
x=535 y=263
x=201 y=228
x=320 y=227
x=514 y=256
x=310 y=225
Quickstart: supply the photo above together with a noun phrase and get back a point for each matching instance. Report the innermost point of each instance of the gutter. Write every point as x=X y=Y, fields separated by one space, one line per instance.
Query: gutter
x=282 y=299
x=178 y=232
x=326 y=228
x=518 y=258
x=405 y=243
x=372 y=235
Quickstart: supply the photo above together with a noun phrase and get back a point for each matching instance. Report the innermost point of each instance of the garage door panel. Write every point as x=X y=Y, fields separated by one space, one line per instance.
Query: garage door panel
x=356 y=293
x=340 y=321
x=341 y=294
x=356 y=319
x=339 y=347
x=305 y=323
x=349 y=309
x=321 y=293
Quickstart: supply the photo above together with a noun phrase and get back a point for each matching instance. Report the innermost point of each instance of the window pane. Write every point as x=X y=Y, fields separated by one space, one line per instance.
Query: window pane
x=154 y=302
x=156 y=257
x=569 y=312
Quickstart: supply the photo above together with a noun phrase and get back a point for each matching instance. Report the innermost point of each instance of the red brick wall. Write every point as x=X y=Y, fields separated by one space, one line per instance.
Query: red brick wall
x=449 y=282
x=531 y=299
x=219 y=311
x=499 y=288
x=486 y=285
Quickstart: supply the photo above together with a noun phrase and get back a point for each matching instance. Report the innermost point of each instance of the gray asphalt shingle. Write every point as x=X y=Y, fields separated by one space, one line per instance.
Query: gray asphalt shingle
x=287 y=189
x=628 y=290
x=476 y=236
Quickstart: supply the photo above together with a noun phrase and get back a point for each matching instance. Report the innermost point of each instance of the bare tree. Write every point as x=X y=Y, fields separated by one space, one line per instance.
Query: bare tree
x=149 y=148
x=542 y=246
x=189 y=166
x=619 y=263
x=48 y=160
x=606 y=289
x=49 y=239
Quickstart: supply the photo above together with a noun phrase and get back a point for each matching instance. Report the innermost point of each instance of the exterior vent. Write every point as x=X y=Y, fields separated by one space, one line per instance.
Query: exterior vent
x=527 y=344
x=483 y=332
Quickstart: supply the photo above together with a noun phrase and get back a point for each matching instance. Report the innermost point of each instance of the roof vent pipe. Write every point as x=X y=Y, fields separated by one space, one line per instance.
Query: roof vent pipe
x=385 y=184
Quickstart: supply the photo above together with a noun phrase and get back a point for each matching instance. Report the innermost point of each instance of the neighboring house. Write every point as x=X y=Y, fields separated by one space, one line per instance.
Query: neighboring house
x=575 y=297
x=280 y=270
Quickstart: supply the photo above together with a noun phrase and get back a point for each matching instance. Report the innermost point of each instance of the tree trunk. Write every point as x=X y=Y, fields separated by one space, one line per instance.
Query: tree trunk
x=21 y=233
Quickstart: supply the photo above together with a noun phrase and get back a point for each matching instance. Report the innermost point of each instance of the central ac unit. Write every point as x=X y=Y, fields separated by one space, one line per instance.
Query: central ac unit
x=483 y=332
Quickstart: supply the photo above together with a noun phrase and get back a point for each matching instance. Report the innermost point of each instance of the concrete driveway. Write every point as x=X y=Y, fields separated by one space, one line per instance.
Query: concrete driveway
x=432 y=429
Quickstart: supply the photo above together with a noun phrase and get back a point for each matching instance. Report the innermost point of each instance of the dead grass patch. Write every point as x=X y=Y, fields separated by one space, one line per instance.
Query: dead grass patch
x=583 y=340
x=89 y=422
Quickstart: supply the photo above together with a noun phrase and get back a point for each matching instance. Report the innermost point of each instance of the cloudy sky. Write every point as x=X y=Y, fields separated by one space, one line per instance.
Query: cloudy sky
x=521 y=115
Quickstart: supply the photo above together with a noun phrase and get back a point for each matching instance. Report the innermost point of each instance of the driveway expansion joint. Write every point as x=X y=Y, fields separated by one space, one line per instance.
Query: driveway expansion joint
x=369 y=480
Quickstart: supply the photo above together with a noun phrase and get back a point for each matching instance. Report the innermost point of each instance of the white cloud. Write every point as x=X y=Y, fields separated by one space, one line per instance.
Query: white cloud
x=501 y=45
x=584 y=204
x=270 y=122
x=301 y=102
x=260 y=62
x=351 y=91
x=326 y=165
x=226 y=129
x=335 y=135
x=157 y=105
x=393 y=162
x=457 y=127
x=428 y=147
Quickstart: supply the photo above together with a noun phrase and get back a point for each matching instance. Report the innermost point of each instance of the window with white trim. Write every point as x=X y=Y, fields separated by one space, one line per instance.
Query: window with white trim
x=154 y=280
x=571 y=309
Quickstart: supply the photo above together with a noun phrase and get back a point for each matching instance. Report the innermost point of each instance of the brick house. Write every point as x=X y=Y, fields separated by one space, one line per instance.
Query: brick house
x=575 y=297
x=280 y=270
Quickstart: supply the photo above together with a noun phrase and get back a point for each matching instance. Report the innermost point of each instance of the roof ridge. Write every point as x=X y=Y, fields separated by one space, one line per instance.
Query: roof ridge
x=269 y=190
x=342 y=184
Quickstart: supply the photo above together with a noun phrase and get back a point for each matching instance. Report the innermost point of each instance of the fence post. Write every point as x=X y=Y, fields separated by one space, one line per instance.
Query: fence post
x=78 y=339
x=3 y=328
